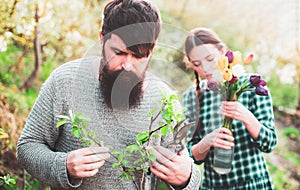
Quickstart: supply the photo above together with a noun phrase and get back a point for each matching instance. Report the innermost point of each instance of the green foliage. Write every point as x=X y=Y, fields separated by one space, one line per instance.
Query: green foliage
x=33 y=183
x=170 y=117
x=7 y=181
x=279 y=177
x=7 y=59
x=283 y=95
x=291 y=132
x=3 y=134
x=79 y=123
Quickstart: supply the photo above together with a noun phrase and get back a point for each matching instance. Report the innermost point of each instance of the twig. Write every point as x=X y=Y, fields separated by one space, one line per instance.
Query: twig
x=24 y=180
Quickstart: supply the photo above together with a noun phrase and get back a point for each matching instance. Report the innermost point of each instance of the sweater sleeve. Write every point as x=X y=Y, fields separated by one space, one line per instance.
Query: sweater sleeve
x=194 y=181
x=36 y=146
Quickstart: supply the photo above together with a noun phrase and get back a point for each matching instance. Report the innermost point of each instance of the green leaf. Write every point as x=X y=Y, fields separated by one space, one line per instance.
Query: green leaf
x=76 y=132
x=173 y=97
x=180 y=116
x=131 y=169
x=86 y=143
x=155 y=135
x=126 y=175
x=120 y=157
x=12 y=181
x=150 y=113
x=116 y=152
x=124 y=162
x=142 y=137
x=63 y=117
x=164 y=131
x=152 y=157
x=61 y=122
x=115 y=165
x=132 y=148
x=3 y=135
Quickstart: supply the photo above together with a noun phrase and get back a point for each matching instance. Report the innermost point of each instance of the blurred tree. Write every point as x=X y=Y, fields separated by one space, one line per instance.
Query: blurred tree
x=46 y=27
x=37 y=53
x=297 y=15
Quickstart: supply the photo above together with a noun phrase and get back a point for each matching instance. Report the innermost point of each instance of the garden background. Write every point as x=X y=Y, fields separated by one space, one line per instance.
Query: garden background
x=38 y=36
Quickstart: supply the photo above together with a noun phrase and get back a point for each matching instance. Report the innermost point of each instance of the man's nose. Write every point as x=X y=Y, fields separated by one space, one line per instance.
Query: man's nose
x=128 y=63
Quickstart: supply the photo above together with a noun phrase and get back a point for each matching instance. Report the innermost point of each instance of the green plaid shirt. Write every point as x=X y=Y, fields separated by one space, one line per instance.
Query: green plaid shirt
x=249 y=169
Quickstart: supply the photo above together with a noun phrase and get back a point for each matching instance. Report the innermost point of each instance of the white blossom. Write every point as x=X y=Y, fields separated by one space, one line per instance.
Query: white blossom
x=238 y=70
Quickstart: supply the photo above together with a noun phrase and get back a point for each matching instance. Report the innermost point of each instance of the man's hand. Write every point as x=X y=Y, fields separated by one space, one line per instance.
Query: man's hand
x=173 y=168
x=85 y=162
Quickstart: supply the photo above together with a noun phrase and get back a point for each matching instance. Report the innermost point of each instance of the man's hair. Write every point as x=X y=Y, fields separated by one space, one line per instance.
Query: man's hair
x=136 y=22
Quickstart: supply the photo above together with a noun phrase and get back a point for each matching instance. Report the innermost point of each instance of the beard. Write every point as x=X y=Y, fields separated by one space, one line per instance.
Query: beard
x=121 y=89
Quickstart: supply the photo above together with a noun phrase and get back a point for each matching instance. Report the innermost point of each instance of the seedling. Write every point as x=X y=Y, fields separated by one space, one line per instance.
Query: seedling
x=170 y=118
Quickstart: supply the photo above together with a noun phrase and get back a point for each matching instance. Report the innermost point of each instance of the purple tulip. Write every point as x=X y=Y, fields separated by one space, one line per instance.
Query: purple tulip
x=262 y=83
x=213 y=85
x=233 y=80
x=255 y=80
x=230 y=56
x=261 y=91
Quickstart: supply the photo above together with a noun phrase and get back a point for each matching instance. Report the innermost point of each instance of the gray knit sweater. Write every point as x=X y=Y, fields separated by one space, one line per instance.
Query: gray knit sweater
x=43 y=148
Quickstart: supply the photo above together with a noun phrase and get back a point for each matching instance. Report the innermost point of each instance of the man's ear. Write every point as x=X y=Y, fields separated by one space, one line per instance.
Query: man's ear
x=101 y=37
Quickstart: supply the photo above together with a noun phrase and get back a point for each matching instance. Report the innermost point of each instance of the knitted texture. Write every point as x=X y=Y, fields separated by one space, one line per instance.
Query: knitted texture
x=43 y=148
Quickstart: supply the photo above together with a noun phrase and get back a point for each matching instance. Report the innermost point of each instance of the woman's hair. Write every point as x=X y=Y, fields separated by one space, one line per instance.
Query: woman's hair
x=200 y=36
x=197 y=37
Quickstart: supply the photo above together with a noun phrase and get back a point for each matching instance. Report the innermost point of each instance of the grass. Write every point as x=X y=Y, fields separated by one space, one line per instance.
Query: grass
x=283 y=163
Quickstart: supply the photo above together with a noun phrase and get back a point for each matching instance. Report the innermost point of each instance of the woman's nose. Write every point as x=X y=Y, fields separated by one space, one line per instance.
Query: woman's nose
x=208 y=66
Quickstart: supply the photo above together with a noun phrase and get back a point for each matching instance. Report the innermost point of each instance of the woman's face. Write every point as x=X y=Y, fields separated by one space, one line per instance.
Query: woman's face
x=204 y=59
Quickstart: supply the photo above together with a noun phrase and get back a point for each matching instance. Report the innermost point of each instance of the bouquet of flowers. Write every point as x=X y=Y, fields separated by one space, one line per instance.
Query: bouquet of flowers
x=231 y=69
x=230 y=88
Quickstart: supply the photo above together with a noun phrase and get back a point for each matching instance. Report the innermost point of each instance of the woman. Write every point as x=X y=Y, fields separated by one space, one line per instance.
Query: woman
x=253 y=121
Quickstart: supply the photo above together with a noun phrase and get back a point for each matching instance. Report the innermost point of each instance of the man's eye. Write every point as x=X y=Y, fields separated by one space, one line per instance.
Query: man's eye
x=138 y=56
x=120 y=53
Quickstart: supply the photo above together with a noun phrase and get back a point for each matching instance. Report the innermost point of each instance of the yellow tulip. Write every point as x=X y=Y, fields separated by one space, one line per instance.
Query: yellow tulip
x=227 y=74
x=237 y=58
x=223 y=63
x=248 y=59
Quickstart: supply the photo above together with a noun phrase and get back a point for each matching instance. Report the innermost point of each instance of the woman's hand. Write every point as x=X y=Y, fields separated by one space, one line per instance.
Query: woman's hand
x=238 y=111
x=85 y=162
x=221 y=137
x=235 y=110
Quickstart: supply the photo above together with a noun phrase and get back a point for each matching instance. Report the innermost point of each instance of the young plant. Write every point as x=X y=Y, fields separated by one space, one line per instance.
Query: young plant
x=169 y=118
x=7 y=182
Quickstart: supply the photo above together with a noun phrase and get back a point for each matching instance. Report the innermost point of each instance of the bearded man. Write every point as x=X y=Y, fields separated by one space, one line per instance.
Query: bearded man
x=116 y=92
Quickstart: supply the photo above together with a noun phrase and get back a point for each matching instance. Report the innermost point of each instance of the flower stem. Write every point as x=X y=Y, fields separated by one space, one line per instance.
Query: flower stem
x=227 y=123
